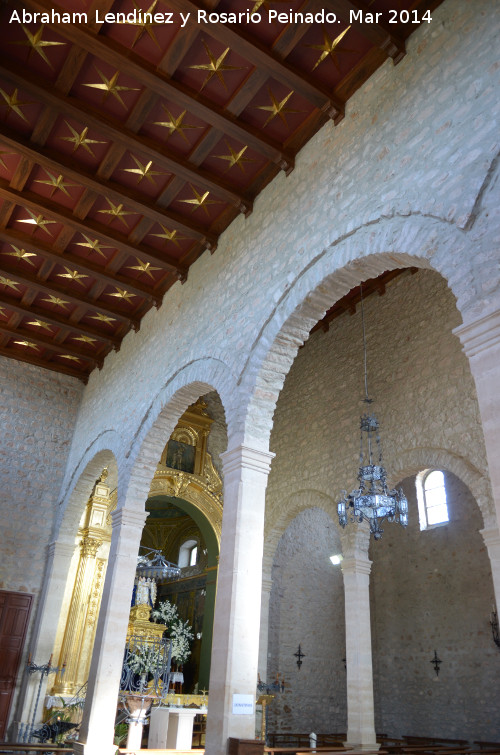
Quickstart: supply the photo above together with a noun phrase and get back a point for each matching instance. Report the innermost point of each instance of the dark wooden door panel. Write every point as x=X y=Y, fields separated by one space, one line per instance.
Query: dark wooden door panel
x=14 y=614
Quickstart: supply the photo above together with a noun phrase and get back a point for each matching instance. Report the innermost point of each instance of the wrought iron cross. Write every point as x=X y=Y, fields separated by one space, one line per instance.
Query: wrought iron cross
x=299 y=655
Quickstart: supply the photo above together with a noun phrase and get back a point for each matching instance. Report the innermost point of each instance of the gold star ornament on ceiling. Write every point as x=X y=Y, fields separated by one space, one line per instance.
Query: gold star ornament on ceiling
x=120 y=293
x=69 y=356
x=41 y=324
x=277 y=108
x=37 y=44
x=103 y=318
x=3 y=312
x=80 y=139
x=14 y=104
x=56 y=183
x=56 y=301
x=215 y=67
x=94 y=245
x=84 y=339
x=28 y=344
x=145 y=23
x=73 y=275
x=175 y=125
x=200 y=200
x=116 y=211
x=111 y=86
x=8 y=283
x=144 y=170
x=21 y=254
x=37 y=220
x=235 y=158
x=170 y=236
x=144 y=267
x=329 y=48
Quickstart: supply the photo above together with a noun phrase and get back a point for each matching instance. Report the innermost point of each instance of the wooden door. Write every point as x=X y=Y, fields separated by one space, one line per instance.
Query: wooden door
x=14 y=613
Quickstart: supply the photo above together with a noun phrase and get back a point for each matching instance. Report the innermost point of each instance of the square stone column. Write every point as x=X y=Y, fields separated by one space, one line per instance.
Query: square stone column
x=481 y=344
x=356 y=568
x=235 y=646
x=59 y=556
x=97 y=728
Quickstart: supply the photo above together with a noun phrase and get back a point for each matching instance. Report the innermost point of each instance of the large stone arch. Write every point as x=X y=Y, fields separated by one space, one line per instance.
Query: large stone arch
x=182 y=389
x=365 y=252
x=102 y=452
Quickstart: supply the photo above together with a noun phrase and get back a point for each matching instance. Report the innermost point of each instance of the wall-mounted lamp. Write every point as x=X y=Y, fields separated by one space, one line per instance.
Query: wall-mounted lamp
x=299 y=655
x=337 y=559
x=494 y=628
x=436 y=663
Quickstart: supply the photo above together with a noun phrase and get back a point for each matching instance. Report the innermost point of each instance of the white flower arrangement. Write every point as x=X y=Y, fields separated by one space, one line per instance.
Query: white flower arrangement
x=180 y=632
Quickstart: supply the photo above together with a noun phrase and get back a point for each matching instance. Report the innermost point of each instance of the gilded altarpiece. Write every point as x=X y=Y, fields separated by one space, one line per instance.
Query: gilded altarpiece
x=94 y=538
x=191 y=477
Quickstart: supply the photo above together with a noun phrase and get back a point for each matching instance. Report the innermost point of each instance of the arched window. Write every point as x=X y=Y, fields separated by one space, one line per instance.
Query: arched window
x=188 y=553
x=431 y=494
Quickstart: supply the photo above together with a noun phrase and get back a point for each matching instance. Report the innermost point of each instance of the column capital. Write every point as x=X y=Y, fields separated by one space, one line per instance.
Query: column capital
x=356 y=565
x=245 y=457
x=128 y=517
x=60 y=548
x=479 y=335
x=491 y=537
x=355 y=539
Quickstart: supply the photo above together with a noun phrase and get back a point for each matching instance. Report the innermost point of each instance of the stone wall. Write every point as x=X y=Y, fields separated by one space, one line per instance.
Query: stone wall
x=38 y=412
x=432 y=591
x=307 y=608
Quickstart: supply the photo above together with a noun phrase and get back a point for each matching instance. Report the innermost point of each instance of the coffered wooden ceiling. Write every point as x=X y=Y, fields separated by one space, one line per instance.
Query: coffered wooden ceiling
x=127 y=148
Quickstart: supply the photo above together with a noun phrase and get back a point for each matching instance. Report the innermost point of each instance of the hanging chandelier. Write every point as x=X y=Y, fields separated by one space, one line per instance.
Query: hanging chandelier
x=152 y=564
x=371 y=501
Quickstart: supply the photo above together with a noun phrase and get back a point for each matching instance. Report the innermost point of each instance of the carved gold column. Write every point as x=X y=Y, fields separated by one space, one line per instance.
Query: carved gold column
x=76 y=648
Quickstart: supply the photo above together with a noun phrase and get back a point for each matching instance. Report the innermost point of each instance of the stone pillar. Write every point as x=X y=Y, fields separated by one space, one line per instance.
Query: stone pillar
x=491 y=538
x=59 y=556
x=267 y=584
x=356 y=572
x=481 y=344
x=97 y=728
x=235 y=645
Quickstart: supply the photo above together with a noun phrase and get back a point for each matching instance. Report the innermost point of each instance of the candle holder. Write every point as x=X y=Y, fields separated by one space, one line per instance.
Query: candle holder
x=44 y=670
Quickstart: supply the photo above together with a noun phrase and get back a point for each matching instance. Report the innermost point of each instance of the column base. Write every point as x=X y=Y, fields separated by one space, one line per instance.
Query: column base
x=95 y=748
x=369 y=747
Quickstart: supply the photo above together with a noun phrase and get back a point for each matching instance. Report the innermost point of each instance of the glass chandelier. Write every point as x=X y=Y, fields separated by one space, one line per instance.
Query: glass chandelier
x=152 y=564
x=371 y=501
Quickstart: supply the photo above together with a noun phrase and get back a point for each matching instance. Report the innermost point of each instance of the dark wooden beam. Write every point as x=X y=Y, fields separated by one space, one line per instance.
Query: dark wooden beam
x=57 y=321
x=73 y=297
x=61 y=214
x=53 y=160
x=261 y=58
x=131 y=64
x=118 y=134
x=42 y=249
x=47 y=343
x=380 y=34
x=29 y=359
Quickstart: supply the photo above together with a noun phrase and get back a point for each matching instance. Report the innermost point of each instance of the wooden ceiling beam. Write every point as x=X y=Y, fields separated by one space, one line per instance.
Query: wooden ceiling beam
x=61 y=214
x=380 y=34
x=57 y=321
x=42 y=363
x=81 y=265
x=263 y=60
x=60 y=290
x=47 y=343
x=118 y=134
x=51 y=160
x=132 y=65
